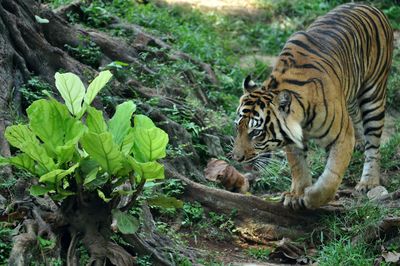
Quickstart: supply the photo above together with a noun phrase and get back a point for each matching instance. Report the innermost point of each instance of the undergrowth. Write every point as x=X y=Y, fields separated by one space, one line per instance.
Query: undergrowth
x=345 y=242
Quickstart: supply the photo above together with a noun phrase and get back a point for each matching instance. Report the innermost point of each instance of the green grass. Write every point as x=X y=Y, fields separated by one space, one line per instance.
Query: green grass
x=344 y=242
x=343 y=252
x=275 y=178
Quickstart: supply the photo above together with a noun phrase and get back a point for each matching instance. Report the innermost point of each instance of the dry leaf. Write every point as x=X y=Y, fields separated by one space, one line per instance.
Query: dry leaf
x=391 y=256
x=222 y=172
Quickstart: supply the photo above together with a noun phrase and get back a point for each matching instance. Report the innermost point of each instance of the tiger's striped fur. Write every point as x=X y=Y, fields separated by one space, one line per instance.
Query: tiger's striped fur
x=329 y=84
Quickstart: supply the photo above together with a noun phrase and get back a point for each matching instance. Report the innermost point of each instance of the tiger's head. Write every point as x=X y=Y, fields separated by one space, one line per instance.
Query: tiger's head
x=264 y=122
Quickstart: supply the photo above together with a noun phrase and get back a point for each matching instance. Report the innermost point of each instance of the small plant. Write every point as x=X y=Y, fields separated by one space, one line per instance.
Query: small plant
x=86 y=160
x=259 y=253
x=223 y=222
x=176 y=259
x=178 y=151
x=144 y=260
x=84 y=256
x=88 y=52
x=95 y=15
x=5 y=243
x=57 y=3
x=193 y=213
x=34 y=90
x=173 y=187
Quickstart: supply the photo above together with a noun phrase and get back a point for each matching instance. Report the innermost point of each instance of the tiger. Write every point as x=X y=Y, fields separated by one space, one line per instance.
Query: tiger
x=329 y=86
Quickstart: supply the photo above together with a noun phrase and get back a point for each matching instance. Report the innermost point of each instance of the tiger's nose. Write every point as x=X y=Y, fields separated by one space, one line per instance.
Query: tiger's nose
x=238 y=158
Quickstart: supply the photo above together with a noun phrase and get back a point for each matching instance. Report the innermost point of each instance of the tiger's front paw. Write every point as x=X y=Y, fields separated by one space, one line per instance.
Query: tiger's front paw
x=365 y=187
x=293 y=201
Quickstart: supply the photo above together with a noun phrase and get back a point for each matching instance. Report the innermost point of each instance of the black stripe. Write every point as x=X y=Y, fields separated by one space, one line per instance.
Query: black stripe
x=368 y=130
x=377 y=117
x=328 y=129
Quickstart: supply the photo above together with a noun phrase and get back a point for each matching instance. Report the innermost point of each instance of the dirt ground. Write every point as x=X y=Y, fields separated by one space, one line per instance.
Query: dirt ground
x=224 y=6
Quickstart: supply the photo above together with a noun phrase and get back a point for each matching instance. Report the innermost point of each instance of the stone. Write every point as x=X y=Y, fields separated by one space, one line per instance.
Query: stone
x=376 y=193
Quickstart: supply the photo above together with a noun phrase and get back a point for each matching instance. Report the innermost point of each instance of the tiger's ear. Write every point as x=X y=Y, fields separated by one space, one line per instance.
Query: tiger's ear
x=249 y=85
x=284 y=101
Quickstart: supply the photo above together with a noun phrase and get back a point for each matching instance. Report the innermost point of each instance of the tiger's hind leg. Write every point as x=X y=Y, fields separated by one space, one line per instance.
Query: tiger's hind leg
x=372 y=105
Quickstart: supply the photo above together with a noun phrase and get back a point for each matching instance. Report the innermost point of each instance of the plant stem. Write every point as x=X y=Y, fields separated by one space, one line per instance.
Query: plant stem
x=133 y=200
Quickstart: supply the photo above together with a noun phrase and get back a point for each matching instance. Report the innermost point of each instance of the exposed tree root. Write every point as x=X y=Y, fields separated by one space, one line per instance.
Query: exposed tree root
x=261 y=221
x=160 y=247
x=258 y=220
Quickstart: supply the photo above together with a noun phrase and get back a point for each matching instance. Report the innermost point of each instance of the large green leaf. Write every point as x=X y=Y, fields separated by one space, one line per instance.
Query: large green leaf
x=21 y=137
x=103 y=150
x=143 y=121
x=38 y=190
x=21 y=161
x=128 y=142
x=52 y=123
x=127 y=224
x=73 y=130
x=95 y=121
x=66 y=152
x=96 y=182
x=96 y=85
x=62 y=194
x=55 y=176
x=72 y=90
x=91 y=176
x=46 y=121
x=18 y=135
x=120 y=123
x=149 y=170
x=150 y=144
x=165 y=202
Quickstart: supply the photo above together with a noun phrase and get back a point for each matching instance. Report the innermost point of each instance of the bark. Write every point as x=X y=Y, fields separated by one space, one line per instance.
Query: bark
x=258 y=220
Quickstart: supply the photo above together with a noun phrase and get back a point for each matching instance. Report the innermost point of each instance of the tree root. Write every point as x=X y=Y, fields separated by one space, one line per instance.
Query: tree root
x=159 y=246
x=258 y=220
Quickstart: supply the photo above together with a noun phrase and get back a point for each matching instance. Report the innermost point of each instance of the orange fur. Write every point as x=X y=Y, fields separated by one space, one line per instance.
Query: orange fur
x=329 y=85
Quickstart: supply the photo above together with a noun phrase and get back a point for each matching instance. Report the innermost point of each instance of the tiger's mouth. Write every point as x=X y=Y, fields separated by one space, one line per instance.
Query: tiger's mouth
x=257 y=163
x=248 y=167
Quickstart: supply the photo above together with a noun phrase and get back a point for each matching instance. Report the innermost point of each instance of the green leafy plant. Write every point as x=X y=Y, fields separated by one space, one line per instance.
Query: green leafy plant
x=94 y=15
x=173 y=187
x=144 y=260
x=33 y=90
x=87 y=52
x=223 y=222
x=193 y=213
x=69 y=156
x=5 y=243
x=259 y=253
